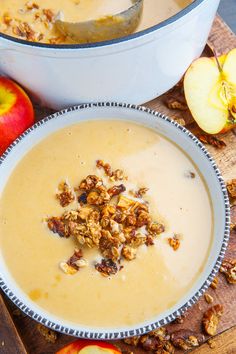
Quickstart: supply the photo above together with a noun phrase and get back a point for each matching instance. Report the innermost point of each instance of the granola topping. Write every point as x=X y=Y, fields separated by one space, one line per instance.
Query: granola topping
x=65 y=194
x=105 y=219
x=174 y=242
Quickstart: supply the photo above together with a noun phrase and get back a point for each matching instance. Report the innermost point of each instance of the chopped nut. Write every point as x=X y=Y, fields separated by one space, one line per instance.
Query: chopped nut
x=179 y=320
x=228 y=268
x=106 y=267
x=67 y=269
x=211 y=319
x=49 y=14
x=90 y=182
x=30 y=5
x=174 y=242
x=211 y=140
x=49 y=335
x=232 y=227
x=214 y=283
x=129 y=253
x=211 y=343
x=131 y=220
x=209 y=299
x=56 y=225
x=149 y=241
x=65 y=195
x=180 y=121
x=107 y=168
x=174 y=103
x=141 y=192
x=231 y=188
x=155 y=228
x=143 y=219
x=186 y=339
x=73 y=261
x=109 y=245
x=116 y=190
x=132 y=341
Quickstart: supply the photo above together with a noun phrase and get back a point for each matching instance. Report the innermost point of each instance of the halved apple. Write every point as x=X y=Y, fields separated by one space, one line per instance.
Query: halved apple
x=210 y=91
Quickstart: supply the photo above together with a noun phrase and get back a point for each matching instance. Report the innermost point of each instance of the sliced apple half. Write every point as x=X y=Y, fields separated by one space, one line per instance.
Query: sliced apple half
x=210 y=91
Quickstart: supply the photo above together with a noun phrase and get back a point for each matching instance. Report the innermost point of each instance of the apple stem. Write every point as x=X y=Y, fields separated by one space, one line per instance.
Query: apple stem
x=217 y=60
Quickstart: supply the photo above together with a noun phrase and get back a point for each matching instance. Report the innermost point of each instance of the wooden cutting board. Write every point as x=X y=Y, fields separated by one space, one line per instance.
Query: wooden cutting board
x=19 y=334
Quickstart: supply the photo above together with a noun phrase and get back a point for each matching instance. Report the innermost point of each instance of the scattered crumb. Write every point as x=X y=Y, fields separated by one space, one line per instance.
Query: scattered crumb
x=214 y=283
x=209 y=299
x=211 y=343
x=49 y=335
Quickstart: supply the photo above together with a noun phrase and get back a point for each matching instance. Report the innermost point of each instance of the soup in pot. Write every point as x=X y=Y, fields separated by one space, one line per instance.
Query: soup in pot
x=34 y=20
x=110 y=231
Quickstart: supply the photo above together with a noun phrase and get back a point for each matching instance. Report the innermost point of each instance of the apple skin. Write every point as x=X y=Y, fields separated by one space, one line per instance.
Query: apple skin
x=81 y=344
x=16 y=112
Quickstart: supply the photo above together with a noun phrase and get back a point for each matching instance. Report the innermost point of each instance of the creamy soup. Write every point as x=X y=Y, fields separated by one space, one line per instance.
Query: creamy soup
x=159 y=276
x=33 y=20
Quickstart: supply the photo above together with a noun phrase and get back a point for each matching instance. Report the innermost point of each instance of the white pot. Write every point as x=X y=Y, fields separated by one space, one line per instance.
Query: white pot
x=134 y=69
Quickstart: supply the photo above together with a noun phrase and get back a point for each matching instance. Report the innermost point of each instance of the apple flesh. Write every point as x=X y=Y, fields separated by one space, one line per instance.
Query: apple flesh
x=210 y=91
x=16 y=112
x=89 y=347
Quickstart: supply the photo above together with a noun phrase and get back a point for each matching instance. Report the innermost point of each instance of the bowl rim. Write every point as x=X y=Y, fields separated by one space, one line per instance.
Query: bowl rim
x=189 y=8
x=138 y=330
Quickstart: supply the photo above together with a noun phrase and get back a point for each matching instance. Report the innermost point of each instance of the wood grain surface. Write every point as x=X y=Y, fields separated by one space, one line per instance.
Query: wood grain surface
x=19 y=334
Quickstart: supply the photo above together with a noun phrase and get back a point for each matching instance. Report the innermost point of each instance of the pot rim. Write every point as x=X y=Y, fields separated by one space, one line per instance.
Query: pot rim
x=138 y=329
x=142 y=33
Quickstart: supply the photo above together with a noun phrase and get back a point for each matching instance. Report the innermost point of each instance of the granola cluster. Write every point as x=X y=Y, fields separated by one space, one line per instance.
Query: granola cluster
x=161 y=342
x=39 y=29
x=105 y=219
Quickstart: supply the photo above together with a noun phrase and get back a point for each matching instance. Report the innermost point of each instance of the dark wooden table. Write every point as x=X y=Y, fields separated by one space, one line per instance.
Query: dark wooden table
x=227 y=11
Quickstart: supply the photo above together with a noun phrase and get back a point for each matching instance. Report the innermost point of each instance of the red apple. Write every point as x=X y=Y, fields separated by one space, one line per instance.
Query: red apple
x=89 y=347
x=16 y=112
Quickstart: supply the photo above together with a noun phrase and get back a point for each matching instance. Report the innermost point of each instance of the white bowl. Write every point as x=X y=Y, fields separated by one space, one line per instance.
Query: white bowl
x=177 y=134
x=135 y=68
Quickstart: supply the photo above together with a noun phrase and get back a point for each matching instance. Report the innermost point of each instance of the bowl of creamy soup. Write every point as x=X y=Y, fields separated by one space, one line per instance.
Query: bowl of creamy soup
x=114 y=220
x=134 y=68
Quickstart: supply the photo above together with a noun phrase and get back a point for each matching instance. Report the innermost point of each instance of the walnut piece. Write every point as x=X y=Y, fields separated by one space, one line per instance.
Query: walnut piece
x=178 y=104
x=211 y=319
x=186 y=339
x=228 y=268
x=65 y=194
x=211 y=140
x=174 y=242
x=231 y=188
x=106 y=267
